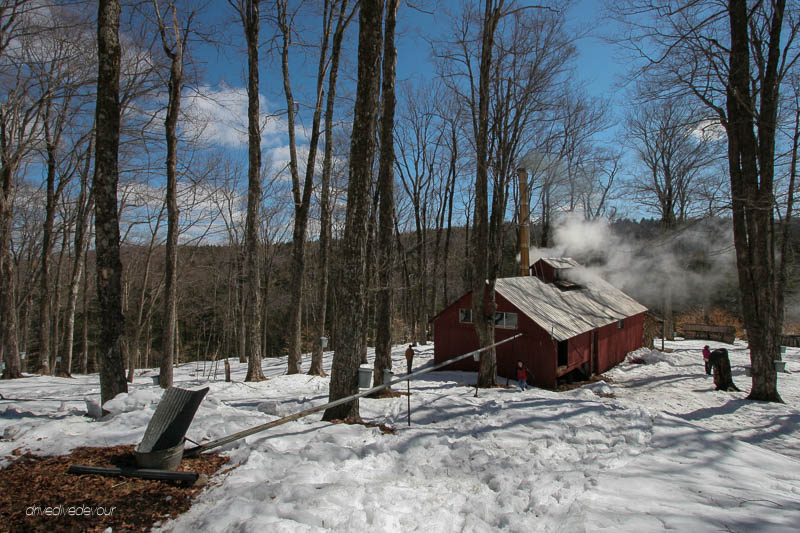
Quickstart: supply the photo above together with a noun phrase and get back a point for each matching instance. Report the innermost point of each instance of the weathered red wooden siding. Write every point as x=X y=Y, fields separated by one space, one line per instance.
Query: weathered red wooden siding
x=543 y=271
x=535 y=348
x=579 y=351
x=614 y=343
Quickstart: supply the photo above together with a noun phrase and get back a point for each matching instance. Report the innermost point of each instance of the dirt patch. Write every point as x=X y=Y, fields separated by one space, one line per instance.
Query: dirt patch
x=38 y=495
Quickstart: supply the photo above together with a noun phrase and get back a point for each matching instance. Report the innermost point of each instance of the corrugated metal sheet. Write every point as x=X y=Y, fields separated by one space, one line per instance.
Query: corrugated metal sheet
x=560 y=262
x=567 y=313
x=172 y=418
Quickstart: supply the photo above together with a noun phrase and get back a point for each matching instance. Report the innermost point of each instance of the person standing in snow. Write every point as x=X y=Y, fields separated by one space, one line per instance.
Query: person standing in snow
x=409 y=357
x=706 y=353
x=522 y=375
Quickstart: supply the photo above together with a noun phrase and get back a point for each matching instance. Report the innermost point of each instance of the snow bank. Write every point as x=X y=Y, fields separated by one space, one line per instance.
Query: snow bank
x=134 y=401
x=600 y=388
x=649 y=356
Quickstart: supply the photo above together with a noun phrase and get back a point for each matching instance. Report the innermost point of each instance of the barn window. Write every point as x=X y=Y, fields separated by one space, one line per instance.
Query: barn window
x=505 y=320
x=620 y=323
x=563 y=353
x=465 y=316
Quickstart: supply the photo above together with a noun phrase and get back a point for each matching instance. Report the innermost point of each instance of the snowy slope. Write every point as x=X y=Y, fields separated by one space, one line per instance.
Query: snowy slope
x=666 y=452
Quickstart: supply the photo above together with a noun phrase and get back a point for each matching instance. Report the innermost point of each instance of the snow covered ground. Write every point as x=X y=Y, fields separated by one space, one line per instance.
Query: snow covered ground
x=665 y=452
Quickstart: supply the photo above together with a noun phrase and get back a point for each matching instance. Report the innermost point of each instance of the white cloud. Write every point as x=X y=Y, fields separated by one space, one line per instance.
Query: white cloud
x=218 y=115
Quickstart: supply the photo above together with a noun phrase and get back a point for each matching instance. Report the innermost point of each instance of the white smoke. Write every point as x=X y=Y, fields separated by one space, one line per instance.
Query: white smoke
x=692 y=263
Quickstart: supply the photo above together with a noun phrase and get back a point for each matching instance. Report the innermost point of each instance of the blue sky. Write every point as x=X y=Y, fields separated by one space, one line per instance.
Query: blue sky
x=596 y=63
x=225 y=68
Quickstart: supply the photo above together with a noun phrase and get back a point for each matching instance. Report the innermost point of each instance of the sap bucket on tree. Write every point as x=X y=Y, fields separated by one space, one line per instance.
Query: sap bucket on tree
x=364 y=377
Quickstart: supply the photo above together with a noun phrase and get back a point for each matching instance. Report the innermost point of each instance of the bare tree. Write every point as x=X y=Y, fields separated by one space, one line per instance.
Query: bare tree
x=483 y=304
x=83 y=208
x=419 y=145
x=385 y=190
x=351 y=290
x=301 y=193
x=342 y=22
x=248 y=12
x=673 y=151
x=174 y=39
x=19 y=123
x=62 y=77
x=104 y=185
x=733 y=58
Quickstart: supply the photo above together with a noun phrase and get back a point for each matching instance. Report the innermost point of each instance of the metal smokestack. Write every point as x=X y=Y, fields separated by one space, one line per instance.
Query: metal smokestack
x=524 y=216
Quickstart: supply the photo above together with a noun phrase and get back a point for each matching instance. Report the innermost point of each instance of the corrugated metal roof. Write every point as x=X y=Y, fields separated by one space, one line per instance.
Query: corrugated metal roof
x=567 y=313
x=559 y=262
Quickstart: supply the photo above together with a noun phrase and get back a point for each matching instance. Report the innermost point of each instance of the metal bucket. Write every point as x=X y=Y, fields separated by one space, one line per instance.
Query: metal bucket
x=167 y=459
x=162 y=444
x=388 y=376
x=364 y=377
x=748 y=370
x=780 y=366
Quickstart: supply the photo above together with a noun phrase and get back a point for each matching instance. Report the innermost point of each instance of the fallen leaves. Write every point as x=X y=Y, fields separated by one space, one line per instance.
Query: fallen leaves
x=38 y=495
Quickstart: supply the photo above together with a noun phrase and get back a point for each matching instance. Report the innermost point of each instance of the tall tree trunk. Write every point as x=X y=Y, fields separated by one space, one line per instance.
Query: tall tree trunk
x=9 y=323
x=173 y=51
x=240 y=309
x=250 y=20
x=302 y=199
x=85 y=307
x=8 y=326
x=751 y=167
x=383 y=311
x=44 y=364
x=369 y=276
x=350 y=292
x=84 y=208
x=325 y=208
x=55 y=310
x=137 y=335
x=450 y=195
x=106 y=175
x=483 y=304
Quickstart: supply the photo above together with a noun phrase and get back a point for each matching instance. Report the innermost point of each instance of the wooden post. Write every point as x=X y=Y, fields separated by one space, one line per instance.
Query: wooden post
x=227 y=371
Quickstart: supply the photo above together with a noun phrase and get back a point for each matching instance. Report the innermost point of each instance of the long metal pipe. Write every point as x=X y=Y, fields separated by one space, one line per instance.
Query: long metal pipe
x=263 y=427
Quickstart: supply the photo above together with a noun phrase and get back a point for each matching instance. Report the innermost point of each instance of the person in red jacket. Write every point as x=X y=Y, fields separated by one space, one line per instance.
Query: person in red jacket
x=522 y=375
x=706 y=353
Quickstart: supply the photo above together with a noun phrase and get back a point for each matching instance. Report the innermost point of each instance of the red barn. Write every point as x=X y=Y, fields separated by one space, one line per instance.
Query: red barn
x=571 y=320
